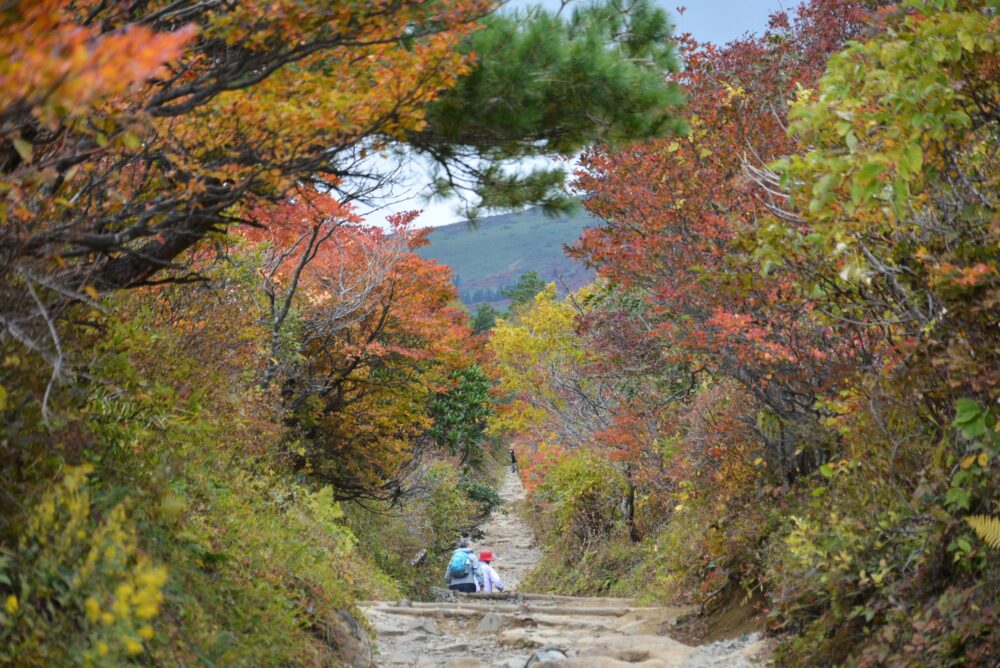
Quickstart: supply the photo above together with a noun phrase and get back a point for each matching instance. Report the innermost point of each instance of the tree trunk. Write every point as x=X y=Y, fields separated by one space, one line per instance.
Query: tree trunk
x=633 y=532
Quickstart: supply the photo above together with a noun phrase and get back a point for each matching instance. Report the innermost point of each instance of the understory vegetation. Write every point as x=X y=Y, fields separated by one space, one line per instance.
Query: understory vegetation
x=180 y=527
x=782 y=391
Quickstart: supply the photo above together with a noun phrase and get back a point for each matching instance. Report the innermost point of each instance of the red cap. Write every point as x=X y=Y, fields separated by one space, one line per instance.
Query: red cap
x=485 y=555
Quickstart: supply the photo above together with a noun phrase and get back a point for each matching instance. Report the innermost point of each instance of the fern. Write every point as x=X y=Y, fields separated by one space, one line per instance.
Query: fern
x=987 y=528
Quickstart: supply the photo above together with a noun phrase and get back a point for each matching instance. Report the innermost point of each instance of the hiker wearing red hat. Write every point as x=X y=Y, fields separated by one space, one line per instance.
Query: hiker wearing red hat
x=491 y=581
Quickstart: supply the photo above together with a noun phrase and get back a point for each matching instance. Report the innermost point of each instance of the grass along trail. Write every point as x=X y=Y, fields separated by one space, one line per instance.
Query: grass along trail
x=505 y=630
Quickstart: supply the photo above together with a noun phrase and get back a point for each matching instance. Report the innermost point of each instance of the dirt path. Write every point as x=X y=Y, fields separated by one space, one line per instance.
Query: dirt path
x=505 y=630
x=510 y=539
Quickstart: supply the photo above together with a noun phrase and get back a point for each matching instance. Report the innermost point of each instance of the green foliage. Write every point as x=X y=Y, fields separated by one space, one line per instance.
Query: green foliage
x=971 y=484
x=547 y=85
x=582 y=494
x=613 y=567
x=450 y=512
x=483 y=494
x=260 y=562
x=892 y=121
x=77 y=590
x=484 y=319
x=460 y=415
x=523 y=292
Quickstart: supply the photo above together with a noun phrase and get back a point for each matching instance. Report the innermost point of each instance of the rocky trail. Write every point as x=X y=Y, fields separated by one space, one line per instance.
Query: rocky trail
x=514 y=628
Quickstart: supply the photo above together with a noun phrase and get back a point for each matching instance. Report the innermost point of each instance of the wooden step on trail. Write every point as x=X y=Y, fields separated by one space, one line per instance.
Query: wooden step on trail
x=504 y=629
x=584 y=611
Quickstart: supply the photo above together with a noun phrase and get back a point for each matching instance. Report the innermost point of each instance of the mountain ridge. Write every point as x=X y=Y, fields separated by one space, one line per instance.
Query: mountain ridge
x=491 y=254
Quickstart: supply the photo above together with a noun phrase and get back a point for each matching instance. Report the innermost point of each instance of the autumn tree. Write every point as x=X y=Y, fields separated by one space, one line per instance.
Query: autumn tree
x=300 y=238
x=891 y=218
x=110 y=174
x=584 y=373
x=823 y=245
x=378 y=336
x=679 y=214
x=890 y=228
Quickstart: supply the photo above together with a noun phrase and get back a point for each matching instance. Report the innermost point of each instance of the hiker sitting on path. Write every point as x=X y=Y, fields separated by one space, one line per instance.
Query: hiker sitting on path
x=464 y=572
x=491 y=580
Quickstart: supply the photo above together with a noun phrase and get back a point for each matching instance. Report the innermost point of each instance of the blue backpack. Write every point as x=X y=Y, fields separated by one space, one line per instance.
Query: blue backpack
x=458 y=567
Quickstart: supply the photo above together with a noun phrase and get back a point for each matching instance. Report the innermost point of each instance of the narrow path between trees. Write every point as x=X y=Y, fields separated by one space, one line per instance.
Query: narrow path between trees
x=505 y=630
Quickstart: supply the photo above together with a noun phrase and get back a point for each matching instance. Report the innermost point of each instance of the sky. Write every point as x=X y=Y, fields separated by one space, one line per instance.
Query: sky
x=718 y=21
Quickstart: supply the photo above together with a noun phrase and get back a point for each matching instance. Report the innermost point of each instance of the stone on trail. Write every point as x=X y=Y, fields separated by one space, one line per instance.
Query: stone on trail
x=504 y=629
x=345 y=632
x=465 y=662
x=519 y=638
x=428 y=626
x=456 y=647
x=492 y=622
x=545 y=655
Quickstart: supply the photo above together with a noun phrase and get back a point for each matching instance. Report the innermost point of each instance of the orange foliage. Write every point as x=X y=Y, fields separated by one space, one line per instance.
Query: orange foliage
x=56 y=67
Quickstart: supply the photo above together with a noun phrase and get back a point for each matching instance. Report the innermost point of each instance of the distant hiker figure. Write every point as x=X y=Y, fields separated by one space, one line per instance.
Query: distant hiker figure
x=491 y=580
x=513 y=461
x=464 y=573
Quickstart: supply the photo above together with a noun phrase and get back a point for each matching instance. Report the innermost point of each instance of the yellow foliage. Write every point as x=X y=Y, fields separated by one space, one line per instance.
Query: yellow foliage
x=530 y=355
x=987 y=528
x=88 y=566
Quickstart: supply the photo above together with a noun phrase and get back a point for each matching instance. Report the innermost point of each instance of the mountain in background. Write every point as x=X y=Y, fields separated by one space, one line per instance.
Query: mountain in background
x=492 y=255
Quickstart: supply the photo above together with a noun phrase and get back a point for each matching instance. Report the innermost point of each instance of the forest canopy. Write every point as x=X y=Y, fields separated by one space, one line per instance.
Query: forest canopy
x=230 y=408
x=215 y=378
x=788 y=365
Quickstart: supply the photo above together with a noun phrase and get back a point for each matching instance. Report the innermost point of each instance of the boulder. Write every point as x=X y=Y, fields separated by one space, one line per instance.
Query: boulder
x=491 y=623
x=543 y=655
x=350 y=640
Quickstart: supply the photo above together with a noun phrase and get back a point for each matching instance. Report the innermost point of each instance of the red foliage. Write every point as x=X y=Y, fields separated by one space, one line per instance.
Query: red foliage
x=679 y=212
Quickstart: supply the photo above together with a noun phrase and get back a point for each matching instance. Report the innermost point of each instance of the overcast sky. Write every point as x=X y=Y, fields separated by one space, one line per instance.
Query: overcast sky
x=717 y=21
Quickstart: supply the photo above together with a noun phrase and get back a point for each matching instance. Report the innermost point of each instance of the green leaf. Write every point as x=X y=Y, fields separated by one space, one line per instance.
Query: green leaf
x=970 y=418
x=912 y=159
x=23 y=149
x=966 y=410
x=852 y=142
x=131 y=141
x=870 y=172
x=965 y=39
x=826 y=471
x=901 y=190
x=958 y=497
x=974 y=429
